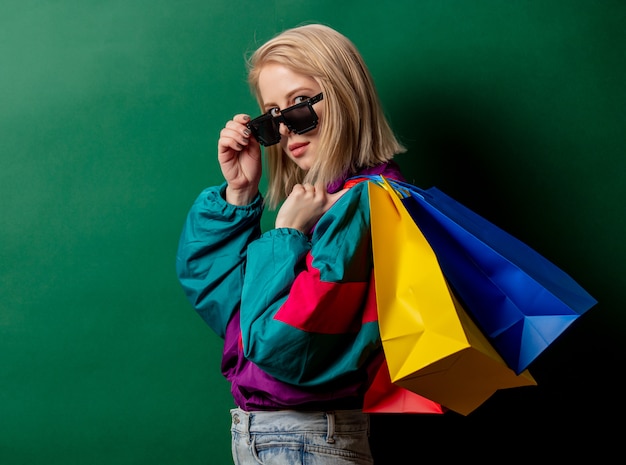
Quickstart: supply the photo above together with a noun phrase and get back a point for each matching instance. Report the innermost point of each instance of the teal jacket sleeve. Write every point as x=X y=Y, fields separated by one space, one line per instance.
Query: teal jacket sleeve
x=308 y=309
x=211 y=255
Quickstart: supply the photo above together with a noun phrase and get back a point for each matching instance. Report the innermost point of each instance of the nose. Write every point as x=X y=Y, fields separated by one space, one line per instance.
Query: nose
x=283 y=129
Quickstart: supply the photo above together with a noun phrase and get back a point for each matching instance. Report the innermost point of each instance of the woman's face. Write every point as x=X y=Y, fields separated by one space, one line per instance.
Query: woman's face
x=280 y=88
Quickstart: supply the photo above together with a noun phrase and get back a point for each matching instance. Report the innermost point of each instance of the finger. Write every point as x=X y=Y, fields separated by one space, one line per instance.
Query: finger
x=236 y=136
x=231 y=131
x=241 y=118
x=227 y=145
x=320 y=188
x=238 y=128
x=296 y=188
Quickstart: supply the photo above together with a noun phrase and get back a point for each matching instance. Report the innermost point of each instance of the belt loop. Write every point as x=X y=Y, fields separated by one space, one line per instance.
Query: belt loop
x=330 y=433
x=249 y=420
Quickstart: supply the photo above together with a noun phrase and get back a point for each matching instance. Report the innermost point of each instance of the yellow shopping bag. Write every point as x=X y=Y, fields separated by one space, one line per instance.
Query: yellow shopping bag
x=431 y=345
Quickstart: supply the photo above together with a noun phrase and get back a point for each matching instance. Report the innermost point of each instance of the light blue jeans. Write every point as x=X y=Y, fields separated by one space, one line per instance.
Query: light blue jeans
x=288 y=437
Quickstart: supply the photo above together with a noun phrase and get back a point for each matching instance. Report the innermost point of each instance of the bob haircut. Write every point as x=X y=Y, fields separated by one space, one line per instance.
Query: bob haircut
x=354 y=132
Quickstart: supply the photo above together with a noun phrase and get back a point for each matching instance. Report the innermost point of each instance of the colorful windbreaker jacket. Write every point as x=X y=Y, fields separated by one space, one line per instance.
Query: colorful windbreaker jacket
x=297 y=313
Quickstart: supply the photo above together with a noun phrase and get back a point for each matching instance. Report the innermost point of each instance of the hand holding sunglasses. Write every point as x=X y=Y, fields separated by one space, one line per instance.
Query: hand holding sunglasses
x=299 y=118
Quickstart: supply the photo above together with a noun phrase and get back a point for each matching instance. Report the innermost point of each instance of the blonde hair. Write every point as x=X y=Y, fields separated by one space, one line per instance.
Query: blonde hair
x=354 y=133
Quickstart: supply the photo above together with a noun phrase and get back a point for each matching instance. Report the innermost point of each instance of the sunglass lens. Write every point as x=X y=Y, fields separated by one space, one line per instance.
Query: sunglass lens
x=265 y=130
x=301 y=119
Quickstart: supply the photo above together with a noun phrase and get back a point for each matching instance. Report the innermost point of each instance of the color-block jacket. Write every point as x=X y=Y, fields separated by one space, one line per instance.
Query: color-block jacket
x=297 y=312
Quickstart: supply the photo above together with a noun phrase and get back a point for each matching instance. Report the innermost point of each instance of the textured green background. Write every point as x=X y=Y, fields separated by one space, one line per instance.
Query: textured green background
x=109 y=117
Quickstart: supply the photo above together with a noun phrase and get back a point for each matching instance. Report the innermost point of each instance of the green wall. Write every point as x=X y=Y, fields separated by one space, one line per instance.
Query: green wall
x=109 y=116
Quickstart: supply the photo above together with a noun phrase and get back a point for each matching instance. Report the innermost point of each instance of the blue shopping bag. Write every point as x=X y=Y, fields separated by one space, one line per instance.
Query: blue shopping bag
x=520 y=300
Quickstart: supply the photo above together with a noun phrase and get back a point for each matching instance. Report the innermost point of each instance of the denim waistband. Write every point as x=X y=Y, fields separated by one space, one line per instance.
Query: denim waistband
x=296 y=420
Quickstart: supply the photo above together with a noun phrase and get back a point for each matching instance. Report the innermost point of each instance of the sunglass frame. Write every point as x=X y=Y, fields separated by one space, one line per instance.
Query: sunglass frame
x=283 y=117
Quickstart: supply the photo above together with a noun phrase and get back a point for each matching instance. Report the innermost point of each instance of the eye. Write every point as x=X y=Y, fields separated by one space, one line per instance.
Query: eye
x=300 y=99
x=274 y=111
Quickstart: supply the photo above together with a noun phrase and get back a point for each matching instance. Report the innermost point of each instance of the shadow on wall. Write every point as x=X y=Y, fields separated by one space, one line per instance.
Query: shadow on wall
x=457 y=143
x=470 y=148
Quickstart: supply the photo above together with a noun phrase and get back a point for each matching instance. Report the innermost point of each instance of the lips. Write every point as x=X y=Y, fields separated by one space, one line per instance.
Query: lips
x=297 y=149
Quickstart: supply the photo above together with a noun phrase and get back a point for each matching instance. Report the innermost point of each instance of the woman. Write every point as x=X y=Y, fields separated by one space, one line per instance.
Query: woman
x=295 y=304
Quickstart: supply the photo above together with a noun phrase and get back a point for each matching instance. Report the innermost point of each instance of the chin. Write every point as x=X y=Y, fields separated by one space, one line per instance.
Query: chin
x=304 y=166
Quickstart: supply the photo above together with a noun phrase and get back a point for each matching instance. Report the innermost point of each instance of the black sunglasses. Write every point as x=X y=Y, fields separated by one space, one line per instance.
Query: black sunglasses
x=299 y=118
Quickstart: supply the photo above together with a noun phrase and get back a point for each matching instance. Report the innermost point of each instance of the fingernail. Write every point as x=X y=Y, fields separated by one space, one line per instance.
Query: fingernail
x=246 y=118
x=246 y=132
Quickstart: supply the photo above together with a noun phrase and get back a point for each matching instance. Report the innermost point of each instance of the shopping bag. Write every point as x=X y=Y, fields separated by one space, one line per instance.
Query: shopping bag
x=385 y=397
x=521 y=301
x=431 y=345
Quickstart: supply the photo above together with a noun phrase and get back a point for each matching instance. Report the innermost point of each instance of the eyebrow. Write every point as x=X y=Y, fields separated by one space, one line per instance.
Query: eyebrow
x=296 y=92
